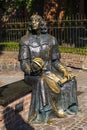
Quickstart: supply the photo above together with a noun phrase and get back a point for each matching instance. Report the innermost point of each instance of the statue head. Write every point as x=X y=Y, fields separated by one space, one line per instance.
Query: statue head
x=37 y=23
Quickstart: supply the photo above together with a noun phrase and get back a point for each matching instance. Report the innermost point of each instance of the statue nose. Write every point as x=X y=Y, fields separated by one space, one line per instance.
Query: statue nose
x=33 y=21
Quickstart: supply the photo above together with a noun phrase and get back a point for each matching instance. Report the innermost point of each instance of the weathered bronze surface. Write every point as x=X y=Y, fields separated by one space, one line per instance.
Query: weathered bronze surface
x=54 y=89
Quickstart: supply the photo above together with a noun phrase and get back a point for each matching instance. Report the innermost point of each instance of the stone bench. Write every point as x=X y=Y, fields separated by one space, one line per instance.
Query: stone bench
x=14 y=104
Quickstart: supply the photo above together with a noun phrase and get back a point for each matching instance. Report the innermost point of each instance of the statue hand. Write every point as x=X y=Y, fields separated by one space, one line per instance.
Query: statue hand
x=27 y=68
x=68 y=75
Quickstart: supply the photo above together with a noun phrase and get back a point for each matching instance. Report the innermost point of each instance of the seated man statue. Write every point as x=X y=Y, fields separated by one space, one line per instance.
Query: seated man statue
x=54 y=89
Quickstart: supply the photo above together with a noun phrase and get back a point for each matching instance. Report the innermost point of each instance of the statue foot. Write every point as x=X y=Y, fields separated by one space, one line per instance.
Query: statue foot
x=61 y=113
x=69 y=112
x=37 y=120
x=74 y=109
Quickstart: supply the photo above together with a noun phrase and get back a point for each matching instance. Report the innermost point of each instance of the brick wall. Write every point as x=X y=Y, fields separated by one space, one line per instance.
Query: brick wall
x=10 y=118
x=74 y=60
x=9 y=61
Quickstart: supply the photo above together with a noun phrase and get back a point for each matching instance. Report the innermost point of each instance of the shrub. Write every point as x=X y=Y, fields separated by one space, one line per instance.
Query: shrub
x=9 y=46
x=82 y=51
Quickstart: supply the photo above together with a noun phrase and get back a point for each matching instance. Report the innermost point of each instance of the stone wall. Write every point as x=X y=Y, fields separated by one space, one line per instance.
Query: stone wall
x=74 y=60
x=9 y=119
x=9 y=61
x=15 y=101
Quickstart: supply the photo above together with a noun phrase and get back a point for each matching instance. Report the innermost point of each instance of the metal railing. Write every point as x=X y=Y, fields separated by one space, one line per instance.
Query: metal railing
x=71 y=32
x=13 y=30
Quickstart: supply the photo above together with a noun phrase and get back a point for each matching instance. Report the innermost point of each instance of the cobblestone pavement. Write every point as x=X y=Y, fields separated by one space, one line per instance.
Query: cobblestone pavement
x=72 y=122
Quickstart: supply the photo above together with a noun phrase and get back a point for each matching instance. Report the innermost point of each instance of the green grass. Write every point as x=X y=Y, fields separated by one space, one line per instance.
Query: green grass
x=82 y=51
x=9 y=46
x=14 y=46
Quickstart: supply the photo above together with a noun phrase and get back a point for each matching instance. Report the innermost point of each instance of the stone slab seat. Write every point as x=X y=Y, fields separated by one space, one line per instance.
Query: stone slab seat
x=13 y=91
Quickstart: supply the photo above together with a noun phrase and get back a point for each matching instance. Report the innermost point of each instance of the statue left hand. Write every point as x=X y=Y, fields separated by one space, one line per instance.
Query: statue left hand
x=68 y=75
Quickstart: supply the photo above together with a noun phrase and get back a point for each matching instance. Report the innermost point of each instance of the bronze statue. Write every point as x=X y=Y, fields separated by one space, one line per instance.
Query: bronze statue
x=54 y=90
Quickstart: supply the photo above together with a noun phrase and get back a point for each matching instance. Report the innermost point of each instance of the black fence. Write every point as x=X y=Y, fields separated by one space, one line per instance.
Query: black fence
x=70 y=32
x=13 y=30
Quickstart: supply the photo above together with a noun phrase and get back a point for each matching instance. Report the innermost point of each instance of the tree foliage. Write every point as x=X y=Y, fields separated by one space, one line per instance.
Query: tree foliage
x=23 y=8
x=72 y=7
x=10 y=8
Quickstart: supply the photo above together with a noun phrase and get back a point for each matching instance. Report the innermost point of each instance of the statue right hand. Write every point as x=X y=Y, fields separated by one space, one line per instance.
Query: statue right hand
x=27 y=68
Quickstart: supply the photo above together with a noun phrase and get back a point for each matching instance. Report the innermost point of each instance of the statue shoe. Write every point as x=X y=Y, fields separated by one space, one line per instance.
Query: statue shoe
x=38 y=119
x=69 y=112
x=74 y=108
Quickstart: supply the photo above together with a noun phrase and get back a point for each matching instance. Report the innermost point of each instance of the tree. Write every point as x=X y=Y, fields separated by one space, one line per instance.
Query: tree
x=11 y=8
x=72 y=7
x=54 y=10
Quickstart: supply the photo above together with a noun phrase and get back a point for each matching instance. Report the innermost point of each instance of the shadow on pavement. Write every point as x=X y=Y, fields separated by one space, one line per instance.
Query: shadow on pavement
x=14 y=121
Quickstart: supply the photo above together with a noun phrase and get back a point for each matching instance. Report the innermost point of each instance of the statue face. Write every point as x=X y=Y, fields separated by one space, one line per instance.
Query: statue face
x=35 y=23
x=35 y=20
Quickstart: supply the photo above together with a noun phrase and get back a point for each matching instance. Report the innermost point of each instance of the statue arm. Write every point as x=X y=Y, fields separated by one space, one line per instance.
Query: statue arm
x=24 y=58
x=25 y=67
x=28 y=66
x=56 y=62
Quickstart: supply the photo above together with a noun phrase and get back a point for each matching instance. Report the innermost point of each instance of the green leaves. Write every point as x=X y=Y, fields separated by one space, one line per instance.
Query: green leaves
x=9 y=8
x=29 y=5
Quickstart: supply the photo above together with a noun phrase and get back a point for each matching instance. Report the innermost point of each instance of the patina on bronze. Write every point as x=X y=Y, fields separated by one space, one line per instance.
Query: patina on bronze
x=54 y=90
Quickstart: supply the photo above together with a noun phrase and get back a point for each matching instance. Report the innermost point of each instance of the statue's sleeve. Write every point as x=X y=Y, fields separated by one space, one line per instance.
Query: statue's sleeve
x=55 y=51
x=24 y=57
x=56 y=59
x=55 y=54
x=23 y=51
